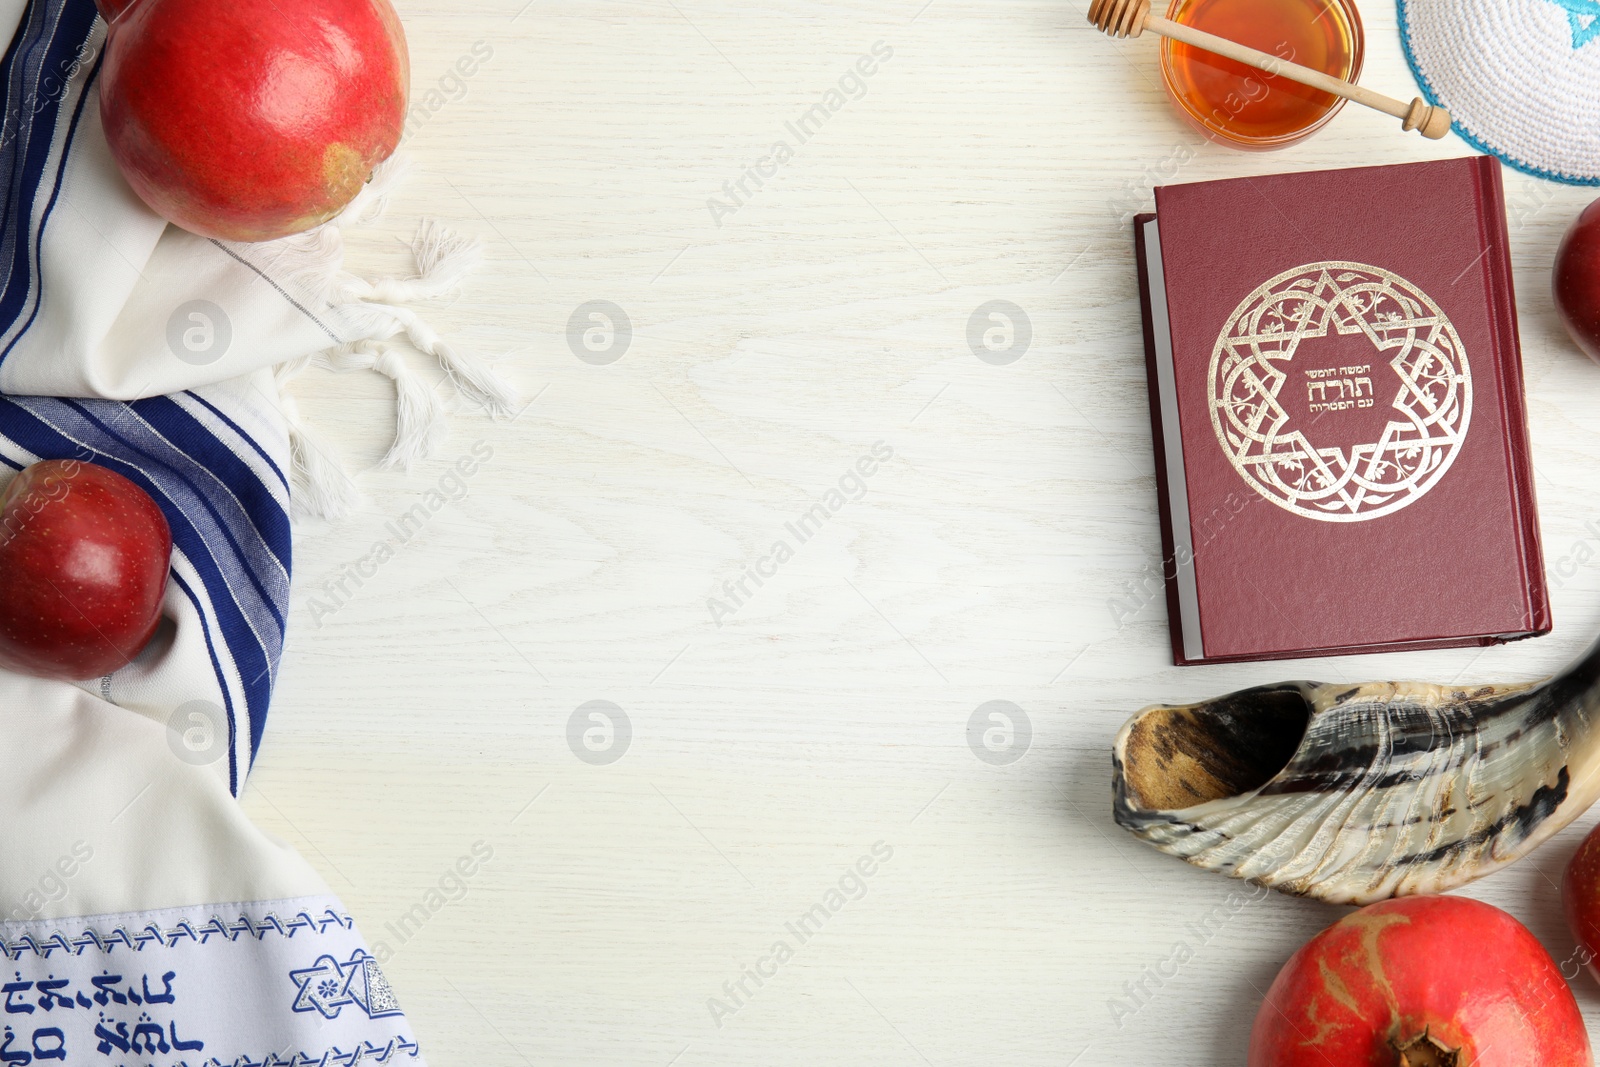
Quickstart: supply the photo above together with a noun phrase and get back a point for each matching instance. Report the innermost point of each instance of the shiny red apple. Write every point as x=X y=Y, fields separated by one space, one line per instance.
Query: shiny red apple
x=84 y=558
x=251 y=119
x=1577 y=280
x=1580 y=897
x=1427 y=981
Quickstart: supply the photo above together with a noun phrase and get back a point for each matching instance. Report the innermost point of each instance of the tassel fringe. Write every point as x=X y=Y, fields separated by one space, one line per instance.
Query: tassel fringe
x=380 y=310
x=321 y=488
x=419 y=415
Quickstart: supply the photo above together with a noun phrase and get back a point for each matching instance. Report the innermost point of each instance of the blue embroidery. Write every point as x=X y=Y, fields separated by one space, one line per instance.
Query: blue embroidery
x=1584 y=18
x=329 y=986
x=75 y=945
x=334 y=1057
x=32 y=1052
x=33 y=1039
x=147 y=1036
x=132 y=1013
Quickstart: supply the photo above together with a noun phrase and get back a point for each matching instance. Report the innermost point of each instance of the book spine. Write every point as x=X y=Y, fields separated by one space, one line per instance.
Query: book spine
x=1158 y=437
x=1502 y=305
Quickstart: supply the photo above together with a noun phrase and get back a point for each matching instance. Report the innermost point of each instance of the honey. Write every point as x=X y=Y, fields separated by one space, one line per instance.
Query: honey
x=1249 y=108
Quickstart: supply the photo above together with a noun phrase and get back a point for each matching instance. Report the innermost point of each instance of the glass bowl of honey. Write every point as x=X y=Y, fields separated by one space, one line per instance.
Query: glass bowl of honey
x=1238 y=105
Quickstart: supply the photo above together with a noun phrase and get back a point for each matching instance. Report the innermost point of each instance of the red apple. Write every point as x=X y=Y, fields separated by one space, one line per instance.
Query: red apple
x=251 y=119
x=84 y=557
x=1577 y=280
x=1421 y=982
x=1580 y=897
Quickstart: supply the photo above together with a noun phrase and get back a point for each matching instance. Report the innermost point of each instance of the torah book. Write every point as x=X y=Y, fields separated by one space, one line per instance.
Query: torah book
x=1339 y=422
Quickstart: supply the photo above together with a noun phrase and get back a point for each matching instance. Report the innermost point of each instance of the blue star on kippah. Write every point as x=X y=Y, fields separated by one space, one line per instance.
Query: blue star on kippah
x=1584 y=18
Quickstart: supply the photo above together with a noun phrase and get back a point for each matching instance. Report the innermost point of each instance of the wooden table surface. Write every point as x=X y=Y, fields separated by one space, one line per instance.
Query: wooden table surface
x=780 y=344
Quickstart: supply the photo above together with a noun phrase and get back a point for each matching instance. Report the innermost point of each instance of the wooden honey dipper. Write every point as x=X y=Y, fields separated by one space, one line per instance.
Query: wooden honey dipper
x=1129 y=18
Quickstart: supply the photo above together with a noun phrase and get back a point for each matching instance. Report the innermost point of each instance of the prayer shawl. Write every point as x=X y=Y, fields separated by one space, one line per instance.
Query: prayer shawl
x=143 y=919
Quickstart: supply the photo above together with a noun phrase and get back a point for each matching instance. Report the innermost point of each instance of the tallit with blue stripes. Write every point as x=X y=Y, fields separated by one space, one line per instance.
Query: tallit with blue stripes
x=143 y=919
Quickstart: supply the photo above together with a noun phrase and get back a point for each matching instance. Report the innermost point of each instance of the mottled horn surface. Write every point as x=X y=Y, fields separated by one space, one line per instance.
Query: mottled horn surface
x=1358 y=793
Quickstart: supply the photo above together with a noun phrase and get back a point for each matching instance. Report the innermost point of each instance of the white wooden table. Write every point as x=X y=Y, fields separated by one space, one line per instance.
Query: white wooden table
x=993 y=157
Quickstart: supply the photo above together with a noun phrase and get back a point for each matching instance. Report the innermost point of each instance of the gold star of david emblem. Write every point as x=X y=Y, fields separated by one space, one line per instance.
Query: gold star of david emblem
x=1310 y=457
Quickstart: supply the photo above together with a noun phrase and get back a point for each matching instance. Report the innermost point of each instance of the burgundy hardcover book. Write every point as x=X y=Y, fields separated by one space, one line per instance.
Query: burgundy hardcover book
x=1336 y=393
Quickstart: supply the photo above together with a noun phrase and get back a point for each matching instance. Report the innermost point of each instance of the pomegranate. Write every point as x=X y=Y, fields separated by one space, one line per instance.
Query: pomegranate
x=251 y=119
x=1422 y=981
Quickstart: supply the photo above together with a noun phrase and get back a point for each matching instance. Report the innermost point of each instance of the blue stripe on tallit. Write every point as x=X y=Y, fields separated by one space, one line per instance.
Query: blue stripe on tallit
x=227 y=694
x=49 y=208
x=32 y=77
x=227 y=522
x=255 y=445
x=191 y=447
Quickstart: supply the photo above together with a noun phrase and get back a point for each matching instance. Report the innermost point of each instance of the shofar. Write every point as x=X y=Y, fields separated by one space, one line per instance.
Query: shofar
x=1357 y=793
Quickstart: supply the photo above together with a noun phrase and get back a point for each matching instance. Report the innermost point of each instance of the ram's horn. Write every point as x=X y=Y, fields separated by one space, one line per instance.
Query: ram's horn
x=1357 y=793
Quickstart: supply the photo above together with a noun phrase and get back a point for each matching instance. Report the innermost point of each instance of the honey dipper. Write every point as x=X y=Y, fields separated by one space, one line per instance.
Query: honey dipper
x=1129 y=18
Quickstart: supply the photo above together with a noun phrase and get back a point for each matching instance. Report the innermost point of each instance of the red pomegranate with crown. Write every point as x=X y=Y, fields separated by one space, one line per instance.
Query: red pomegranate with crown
x=251 y=119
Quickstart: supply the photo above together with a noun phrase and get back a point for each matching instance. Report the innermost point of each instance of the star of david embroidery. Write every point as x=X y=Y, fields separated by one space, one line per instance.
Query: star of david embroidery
x=328 y=987
x=1316 y=463
x=324 y=987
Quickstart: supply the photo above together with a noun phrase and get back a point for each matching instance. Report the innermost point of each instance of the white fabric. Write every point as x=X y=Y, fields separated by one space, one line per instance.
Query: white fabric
x=1521 y=78
x=121 y=831
x=161 y=355
x=106 y=811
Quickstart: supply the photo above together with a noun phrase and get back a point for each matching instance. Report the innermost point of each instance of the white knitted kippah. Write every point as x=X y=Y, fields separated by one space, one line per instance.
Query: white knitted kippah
x=1520 y=77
